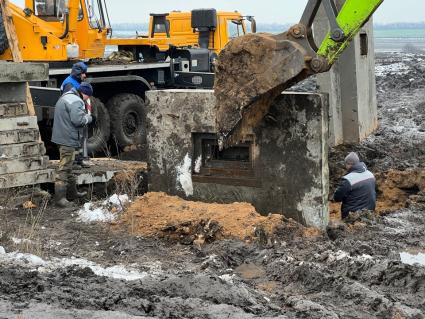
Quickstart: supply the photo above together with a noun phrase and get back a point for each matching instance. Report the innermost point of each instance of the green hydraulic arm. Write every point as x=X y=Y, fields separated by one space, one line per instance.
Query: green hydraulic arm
x=352 y=16
x=254 y=69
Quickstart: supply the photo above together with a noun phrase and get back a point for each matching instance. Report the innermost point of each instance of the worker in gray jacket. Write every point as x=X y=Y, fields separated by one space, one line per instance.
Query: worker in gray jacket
x=356 y=190
x=69 y=122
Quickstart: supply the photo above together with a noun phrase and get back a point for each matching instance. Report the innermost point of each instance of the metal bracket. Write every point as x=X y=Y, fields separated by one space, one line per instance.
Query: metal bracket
x=337 y=34
x=310 y=12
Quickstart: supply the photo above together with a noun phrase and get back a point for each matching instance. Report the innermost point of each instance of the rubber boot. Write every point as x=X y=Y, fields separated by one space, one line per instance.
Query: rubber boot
x=72 y=192
x=60 y=196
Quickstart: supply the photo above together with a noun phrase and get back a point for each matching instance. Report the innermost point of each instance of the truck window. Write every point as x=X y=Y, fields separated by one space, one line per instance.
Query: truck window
x=45 y=7
x=95 y=14
x=51 y=10
x=160 y=27
x=234 y=28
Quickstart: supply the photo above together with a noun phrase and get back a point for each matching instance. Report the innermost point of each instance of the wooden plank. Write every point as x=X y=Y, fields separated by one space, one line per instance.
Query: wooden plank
x=12 y=37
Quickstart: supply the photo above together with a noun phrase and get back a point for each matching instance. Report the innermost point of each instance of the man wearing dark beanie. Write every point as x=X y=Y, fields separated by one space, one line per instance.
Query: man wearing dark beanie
x=356 y=189
x=69 y=122
x=77 y=76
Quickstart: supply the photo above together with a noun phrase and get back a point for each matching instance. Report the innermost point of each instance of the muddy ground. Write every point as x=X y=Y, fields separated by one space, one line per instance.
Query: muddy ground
x=102 y=270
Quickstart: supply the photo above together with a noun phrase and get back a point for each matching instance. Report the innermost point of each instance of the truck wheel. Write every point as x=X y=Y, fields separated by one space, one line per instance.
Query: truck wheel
x=128 y=122
x=99 y=134
x=4 y=43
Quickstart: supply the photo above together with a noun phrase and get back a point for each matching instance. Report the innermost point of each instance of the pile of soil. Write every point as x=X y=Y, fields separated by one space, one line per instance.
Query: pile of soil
x=161 y=215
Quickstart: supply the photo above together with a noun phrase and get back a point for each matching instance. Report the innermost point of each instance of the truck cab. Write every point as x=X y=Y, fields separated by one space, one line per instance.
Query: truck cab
x=198 y=29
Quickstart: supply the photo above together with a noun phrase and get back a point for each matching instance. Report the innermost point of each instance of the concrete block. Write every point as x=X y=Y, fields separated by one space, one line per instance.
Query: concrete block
x=18 y=123
x=27 y=178
x=13 y=109
x=284 y=169
x=19 y=136
x=23 y=164
x=13 y=92
x=23 y=72
x=22 y=150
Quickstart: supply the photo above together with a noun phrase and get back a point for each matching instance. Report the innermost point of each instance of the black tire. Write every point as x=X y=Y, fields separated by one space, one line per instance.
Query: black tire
x=4 y=43
x=100 y=132
x=128 y=120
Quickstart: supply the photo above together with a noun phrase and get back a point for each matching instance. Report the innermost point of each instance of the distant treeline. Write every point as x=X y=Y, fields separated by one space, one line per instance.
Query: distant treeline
x=268 y=27
x=400 y=25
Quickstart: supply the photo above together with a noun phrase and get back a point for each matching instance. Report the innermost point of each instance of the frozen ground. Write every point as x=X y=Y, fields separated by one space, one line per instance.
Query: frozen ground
x=373 y=267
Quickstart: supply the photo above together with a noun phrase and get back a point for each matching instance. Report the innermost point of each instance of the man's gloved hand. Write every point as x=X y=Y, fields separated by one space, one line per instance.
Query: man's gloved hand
x=93 y=120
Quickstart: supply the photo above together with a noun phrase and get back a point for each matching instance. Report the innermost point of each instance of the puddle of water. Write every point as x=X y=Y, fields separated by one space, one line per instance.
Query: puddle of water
x=250 y=271
x=413 y=257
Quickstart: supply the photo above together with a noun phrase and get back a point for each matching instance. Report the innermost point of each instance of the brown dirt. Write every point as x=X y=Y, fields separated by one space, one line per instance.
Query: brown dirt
x=247 y=79
x=157 y=214
x=396 y=188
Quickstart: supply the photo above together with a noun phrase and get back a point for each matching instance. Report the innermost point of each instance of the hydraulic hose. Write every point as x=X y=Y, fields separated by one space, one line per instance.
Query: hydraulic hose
x=66 y=31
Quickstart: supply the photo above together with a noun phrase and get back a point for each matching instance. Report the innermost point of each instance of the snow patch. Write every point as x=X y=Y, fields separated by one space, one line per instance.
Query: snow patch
x=385 y=69
x=29 y=260
x=227 y=278
x=89 y=214
x=184 y=175
x=117 y=200
x=18 y=241
x=116 y=272
x=107 y=211
x=198 y=164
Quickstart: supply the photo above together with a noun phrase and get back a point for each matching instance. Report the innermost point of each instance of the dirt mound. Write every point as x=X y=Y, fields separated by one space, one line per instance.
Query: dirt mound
x=157 y=214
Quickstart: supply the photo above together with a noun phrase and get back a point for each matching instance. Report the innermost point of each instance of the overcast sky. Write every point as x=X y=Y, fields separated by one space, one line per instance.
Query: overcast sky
x=272 y=11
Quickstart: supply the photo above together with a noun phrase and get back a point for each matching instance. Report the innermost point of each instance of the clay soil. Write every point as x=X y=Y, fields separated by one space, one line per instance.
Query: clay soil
x=160 y=215
x=178 y=259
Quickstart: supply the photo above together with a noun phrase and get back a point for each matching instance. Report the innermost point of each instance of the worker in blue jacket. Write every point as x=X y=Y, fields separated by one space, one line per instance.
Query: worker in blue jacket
x=78 y=75
x=356 y=189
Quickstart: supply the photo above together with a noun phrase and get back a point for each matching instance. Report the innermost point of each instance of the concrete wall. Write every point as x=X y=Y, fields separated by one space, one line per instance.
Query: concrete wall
x=288 y=154
x=350 y=85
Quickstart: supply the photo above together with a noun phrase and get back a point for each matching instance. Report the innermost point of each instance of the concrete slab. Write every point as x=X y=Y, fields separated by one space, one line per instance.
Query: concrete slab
x=23 y=164
x=282 y=170
x=11 y=151
x=23 y=72
x=13 y=92
x=104 y=170
x=18 y=123
x=19 y=136
x=13 y=109
x=27 y=178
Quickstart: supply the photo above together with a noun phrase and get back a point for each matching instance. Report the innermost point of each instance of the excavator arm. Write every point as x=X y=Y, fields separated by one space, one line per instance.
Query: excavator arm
x=254 y=69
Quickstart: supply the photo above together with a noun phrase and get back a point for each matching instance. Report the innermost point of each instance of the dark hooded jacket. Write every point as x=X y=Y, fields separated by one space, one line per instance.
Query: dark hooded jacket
x=356 y=190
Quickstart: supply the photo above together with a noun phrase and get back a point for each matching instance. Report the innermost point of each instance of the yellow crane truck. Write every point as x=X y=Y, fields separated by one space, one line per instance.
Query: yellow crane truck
x=178 y=52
